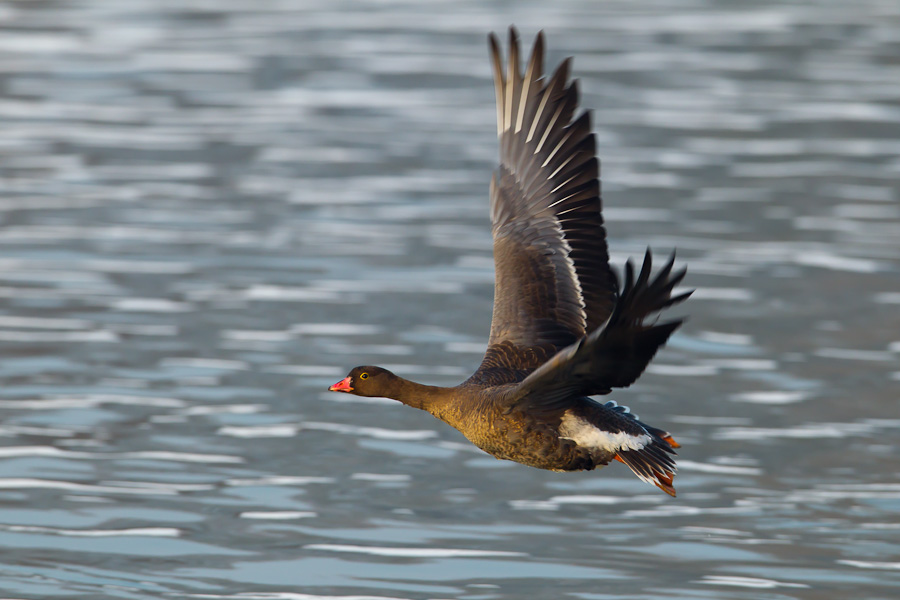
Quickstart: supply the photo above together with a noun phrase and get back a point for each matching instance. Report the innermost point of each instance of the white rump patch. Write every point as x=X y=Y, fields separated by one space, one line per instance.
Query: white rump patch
x=587 y=435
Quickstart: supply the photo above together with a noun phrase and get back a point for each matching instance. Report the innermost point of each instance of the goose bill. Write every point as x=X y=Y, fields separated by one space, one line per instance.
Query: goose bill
x=342 y=386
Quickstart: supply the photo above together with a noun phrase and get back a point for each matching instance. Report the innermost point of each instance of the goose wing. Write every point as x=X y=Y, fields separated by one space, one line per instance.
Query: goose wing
x=612 y=356
x=553 y=280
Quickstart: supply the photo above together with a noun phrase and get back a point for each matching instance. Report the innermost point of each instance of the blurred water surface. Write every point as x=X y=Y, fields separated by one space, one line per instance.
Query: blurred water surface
x=211 y=210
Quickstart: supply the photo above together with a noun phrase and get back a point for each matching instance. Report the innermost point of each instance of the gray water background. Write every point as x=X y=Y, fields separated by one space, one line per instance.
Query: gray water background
x=210 y=211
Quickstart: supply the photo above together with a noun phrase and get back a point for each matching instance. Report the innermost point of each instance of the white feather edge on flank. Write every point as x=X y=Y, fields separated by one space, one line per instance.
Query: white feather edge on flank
x=587 y=435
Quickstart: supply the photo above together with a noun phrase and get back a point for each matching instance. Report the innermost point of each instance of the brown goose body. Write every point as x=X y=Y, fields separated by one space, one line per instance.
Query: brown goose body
x=563 y=329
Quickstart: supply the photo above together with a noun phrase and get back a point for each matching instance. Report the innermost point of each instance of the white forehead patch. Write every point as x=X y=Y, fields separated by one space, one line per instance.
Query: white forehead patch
x=585 y=434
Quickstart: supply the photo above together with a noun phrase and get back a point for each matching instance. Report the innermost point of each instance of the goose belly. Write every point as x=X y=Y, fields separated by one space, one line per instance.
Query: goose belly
x=536 y=445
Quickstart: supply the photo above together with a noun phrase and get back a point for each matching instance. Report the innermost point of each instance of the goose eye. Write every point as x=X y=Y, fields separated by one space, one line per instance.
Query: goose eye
x=363 y=375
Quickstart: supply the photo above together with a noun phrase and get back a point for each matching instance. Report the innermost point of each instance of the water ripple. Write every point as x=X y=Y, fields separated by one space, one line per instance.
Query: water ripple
x=411 y=552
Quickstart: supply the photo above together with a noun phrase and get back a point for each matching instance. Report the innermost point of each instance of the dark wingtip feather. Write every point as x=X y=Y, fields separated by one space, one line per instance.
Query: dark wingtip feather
x=667 y=268
x=536 y=61
x=494 y=47
x=678 y=276
x=643 y=296
x=574 y=91
x=513 y=52
x=629 y=277
x=539 y=43
x=499 y=78
x=680 y=297
x=644 y=276
x=562 y=71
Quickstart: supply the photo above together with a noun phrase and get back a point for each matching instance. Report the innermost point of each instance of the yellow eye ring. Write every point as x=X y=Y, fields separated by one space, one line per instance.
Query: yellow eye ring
x=363 y=375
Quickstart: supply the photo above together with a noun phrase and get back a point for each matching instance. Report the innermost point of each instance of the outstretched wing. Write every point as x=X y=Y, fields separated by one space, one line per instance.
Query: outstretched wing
x=553 y=280
x=615 y=355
